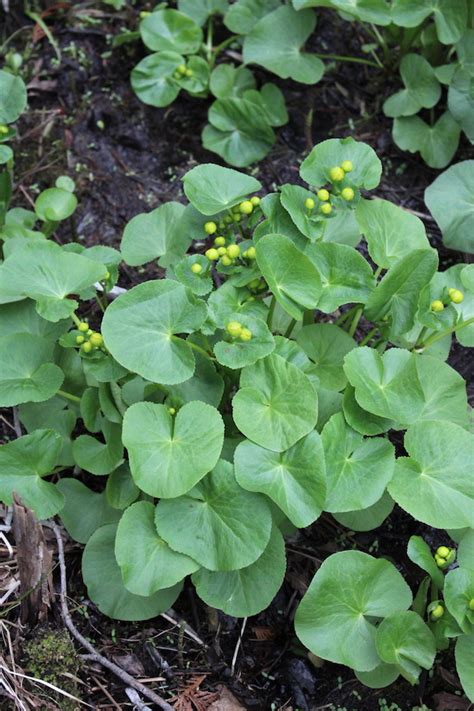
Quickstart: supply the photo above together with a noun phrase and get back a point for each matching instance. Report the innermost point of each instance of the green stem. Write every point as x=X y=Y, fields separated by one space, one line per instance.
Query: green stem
x=68 y=396
x=382 y=42
x=223 y=45
x=76 y=320
x=441 y=335
x=196 y=348
x=343 y=317
x=344 y=58
x=271 y=311
x=378 y=272
x=308 y=317
x=368 y=337
x=355 y=320
x=209 y=54
x=290 y=328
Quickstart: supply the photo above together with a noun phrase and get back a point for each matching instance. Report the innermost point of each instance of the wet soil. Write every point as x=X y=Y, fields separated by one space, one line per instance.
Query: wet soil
x=126 y=158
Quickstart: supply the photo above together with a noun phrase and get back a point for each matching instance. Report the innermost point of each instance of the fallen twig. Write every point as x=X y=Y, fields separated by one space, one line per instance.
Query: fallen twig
x=93 y=655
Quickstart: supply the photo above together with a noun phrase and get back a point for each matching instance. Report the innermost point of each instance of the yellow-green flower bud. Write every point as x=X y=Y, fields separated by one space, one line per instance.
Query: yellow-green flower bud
x=189 y=73
x=210 y=228
x=347 y=194
x=79 y=340
x=336 y=174
x=323 y=195
x=245 y=334
x=437 y=612
x=347 y=166
x=196 y=268
x=246 y=207
x=251 y=253
x=456 y=296
x=83 y=326
x=86 y=347
x=221 y=251
x=237 y=217
x=325 y=208
x=96 y=339
x=219 y=241
x=443 y=551
x=234 y=329
x=255 y=200
x=172 y=410
x=309 y=203
x=212 y=254
x=471 y=603
x=440 y=562
x=181 y=69
x=233 y=251
x=228 y=219
x=437 y=306
x=144 y=13
x=3 y=130
x=226 y=261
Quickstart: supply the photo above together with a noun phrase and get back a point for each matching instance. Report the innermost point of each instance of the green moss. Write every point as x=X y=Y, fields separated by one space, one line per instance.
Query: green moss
x=50 y=655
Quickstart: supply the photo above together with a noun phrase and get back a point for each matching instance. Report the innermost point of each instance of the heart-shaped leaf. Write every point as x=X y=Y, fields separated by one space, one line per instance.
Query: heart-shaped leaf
x=24 y=463
x=437 y=144
x=218 y=524
x=153 y=234
x=291 y=275
x=147 y=562
x=391 y=232
x=403 y=639
x=461 y=100
x=276 y=404
x=153 y=79
x=434 y=483
x=348 y=591
x=357 y=469
x=103 y=579
x=366 y=170
x=170 y=31
x=295 y=480
x=375 y=11
x=84 y=510
x=422 y=89
x=450 y=19
x=275 y=43
x=95 y=457
x=13 y=97
x=121 y=490
x=169 y=454
x=369 y=518
x=247 y=591
x=326 y=345
x=228 y=81
x=243 y=14
x=140 y=328
x=55 y=204
x=450 y=199
x=360 y=419
x=236 y=353
x=212 y=188
x=458 y=593
x=200 y=10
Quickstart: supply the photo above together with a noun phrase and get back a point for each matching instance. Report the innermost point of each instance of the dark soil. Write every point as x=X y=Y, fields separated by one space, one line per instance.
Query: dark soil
x=126 y=158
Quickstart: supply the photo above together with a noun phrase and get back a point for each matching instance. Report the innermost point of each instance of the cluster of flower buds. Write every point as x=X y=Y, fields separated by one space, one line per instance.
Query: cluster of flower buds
x=183 y=72
x=336 y=175
x=236 y=330
x=444 y=556
x=88 y=339
x=454 y=296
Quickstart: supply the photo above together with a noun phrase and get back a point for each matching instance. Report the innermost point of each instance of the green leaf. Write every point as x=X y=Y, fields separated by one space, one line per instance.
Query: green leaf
x=403 y=639
x=237 y=132
x=271 y=102
x=201 y=10
x=437 y=144
x=276 y=404
x=380 y=677
x=243 y=14
x=387 y=385
x=345 y=275
x=218 y=524
x=228 y=300
x=247 y=591
x=52 y=415
x=420 y=553
x=55 y=204
x=327 y=345
x=147 y=562
x=212 y=188
x=205 y=385
x=6 y=154
x=120 y=489
x=169 y=454
x=43 y=271
x=84 y=510
x=149 y=316
x=450 y=199
x=461 y=101
x=450 y=19
x=367 y=519
x=25 y=373
x=433 y=484
x=464 y=654
x=366 y=170
x=334 y=617
x=152 y=78
x=310 y=223
x=228 y=81
x=398 y=294
x=200 y=284
x=13 y=97
x=275 y=42
x=361 y=420
x=98 y=458
x=422 y=89
x=458 y=592
x=290 y=275
x=465 y=556
x=391 y=232
x=238 y=354
x=375 y=11
x=199 y=80
x=170 y=31
x=24 y=463
x=295 y=480
x=444 y=391
x=105 y=586
x=154 y=234
x=357 y=469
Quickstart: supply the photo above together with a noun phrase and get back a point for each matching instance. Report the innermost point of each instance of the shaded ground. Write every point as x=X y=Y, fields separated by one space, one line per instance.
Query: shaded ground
x=126 y=158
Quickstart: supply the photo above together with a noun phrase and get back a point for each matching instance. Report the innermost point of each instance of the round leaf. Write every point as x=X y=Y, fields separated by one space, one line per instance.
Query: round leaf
x=169 y=454
x=422 y=89
x=366 y=171
x=450 y=199
x=25 y=373
x=55 y=204
x=326 y=345
x=153 y=234
x=13 y=97
x=152 y=78
x=84 y=510
x=218 y=524
x=369 y=518
x=212 y=188
x=170 y=31
x=403 y=639
x=236 y=353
